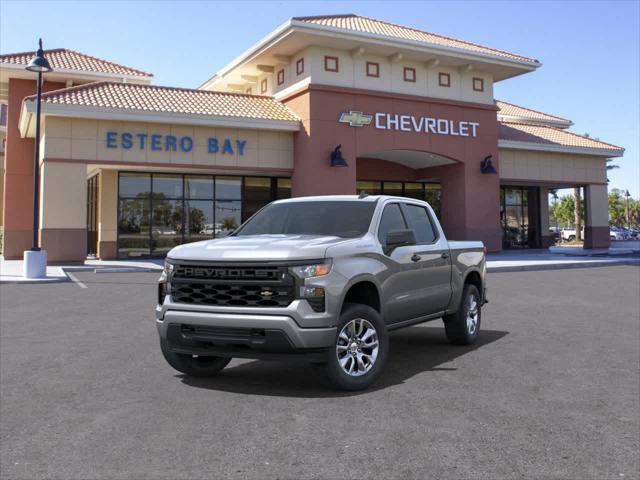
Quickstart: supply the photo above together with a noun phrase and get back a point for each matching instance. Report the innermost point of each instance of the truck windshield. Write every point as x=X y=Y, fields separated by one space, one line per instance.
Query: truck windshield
x=336 y=218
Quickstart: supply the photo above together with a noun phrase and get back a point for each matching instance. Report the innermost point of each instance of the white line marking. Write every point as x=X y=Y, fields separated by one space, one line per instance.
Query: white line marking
x=75 y=280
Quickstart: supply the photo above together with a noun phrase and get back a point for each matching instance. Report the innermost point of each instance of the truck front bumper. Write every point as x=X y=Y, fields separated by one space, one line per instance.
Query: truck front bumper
x=242 y=335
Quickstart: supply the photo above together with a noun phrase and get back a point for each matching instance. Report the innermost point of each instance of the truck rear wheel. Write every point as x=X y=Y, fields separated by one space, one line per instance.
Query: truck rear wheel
x=360 y=349
x=463 y=326
x=193 y=366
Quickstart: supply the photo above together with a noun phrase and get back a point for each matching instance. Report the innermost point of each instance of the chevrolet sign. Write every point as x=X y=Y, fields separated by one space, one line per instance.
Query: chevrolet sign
x=355 y=119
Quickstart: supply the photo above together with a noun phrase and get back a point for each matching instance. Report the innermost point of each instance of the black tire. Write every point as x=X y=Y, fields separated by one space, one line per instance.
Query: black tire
x=333 y=371
x=193 y=366
x=459 y=331
x=571 y=238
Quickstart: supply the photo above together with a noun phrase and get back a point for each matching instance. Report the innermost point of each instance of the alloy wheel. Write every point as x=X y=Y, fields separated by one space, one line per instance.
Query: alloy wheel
x=357 y=347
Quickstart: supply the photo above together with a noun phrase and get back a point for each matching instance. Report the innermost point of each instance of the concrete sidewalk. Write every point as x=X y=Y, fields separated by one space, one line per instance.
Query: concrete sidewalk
x=506 y=261
x=11 y=270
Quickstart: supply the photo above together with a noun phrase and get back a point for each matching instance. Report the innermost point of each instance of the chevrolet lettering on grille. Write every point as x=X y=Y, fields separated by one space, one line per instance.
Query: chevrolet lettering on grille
x=228 y=273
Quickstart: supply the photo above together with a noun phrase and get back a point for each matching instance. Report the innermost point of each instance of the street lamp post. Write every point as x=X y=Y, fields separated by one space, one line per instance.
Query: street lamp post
x=35 y=260
x=626 y=208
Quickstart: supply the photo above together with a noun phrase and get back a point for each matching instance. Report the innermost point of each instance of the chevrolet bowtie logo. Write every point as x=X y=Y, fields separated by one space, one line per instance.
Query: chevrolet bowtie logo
x=355 y=119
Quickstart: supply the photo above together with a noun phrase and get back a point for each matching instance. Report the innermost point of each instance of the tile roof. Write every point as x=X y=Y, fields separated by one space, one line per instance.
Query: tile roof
x=152 y=98
x=65 y=59
x=545 y=135
x=391 y=30
x=512 y=110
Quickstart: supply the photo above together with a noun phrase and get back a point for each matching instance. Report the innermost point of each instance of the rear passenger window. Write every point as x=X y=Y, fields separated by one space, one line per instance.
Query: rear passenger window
x=392 y=219
x=418 y=218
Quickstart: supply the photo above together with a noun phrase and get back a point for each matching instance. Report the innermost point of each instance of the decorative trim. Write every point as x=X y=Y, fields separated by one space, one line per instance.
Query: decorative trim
x=478 y=84
x=380 y=94
x=171 y=166
x=300 y=66
x=373 y=69
x=328 y=61
x=263 y=86
x=280 y=76
x=545 y=147
x=409 y=74
x=444 y=79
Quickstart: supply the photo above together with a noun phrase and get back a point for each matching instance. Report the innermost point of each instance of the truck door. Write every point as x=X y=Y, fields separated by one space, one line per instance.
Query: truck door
x=432 y=256
x=404 y=287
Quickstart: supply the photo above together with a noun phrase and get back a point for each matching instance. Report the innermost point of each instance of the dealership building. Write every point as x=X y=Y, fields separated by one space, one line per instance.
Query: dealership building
x=323 y=105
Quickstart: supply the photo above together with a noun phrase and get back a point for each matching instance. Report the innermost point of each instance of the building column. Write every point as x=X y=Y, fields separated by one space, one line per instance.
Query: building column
x=470 y=204
x=108 y=215
x=63 y=211
x=596 y=232
x=546 y=239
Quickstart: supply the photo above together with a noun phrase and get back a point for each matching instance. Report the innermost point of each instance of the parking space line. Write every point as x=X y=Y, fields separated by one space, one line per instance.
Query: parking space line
x=75 y=280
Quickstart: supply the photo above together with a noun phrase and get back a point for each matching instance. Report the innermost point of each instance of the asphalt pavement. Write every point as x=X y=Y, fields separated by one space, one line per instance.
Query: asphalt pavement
x=551 y=390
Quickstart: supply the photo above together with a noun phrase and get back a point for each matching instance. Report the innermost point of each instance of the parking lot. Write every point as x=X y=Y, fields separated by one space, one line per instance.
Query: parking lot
x=551 y=390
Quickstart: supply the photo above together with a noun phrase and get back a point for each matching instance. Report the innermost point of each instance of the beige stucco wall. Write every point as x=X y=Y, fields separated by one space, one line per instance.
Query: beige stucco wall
x=352 y=74
x=108 y=206
x=63 y=195
x=551 y=167
x=597 y=205
x=84 y=139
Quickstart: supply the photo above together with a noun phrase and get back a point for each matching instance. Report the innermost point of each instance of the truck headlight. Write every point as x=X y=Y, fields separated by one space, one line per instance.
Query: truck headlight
x=168 y=267
x=310 y=271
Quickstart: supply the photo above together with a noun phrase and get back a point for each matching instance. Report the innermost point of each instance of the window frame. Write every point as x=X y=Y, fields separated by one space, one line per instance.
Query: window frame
x=412 y=227
x=327 y=59
x=480 y=82
x=443 y=75
x=372 y=64
x=263 y=85
x=413 y=71
x=280 y=77
x=300 y=66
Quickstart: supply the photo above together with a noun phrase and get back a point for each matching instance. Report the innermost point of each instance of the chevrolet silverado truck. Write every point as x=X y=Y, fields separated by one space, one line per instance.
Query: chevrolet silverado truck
x=320 y=279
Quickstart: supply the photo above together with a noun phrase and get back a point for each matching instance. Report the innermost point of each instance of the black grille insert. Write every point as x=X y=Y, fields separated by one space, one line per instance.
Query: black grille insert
x=242 y=286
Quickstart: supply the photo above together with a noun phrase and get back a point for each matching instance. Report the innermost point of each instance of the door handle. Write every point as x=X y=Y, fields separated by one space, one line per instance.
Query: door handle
x=445 y=255
x=415 y=257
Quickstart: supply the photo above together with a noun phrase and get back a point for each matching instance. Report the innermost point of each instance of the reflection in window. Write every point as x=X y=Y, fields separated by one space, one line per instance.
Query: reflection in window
x=257 y=193
x=392 y=188
x=228 y=188
x=133 y=227
x=228 y=217
x=168 y=186
x=199 y=220
x=167 y=225
x=283 y=188
x=371 y=188
x=198 y=187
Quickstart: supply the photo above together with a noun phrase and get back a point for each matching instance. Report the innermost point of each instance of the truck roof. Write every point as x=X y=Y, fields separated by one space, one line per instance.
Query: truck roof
x=341 y=198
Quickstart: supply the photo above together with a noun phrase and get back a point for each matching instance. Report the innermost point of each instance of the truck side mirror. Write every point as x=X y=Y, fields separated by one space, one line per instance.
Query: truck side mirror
x=399 y=238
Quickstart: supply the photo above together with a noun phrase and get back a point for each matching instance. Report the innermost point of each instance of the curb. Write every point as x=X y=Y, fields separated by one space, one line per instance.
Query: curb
x=564 y=266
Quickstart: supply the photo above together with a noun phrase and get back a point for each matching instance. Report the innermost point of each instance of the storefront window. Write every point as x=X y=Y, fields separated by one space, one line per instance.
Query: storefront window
x=372 y=188
x=159 y=211
x=283 y=188
x=257 y=193
x=392 y=188
x=519 y=219
x=414 y=190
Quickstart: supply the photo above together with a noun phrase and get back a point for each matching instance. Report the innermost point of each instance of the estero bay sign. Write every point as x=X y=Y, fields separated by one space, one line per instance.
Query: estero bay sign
x=171 y=143
x=411 y=123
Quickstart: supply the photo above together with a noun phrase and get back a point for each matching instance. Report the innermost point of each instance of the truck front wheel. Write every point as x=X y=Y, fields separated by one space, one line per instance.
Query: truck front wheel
x=463 y=326
x=360 y=349
x=193 y=366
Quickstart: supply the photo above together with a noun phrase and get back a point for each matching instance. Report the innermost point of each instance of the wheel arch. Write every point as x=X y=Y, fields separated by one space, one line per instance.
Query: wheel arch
x=363 y=290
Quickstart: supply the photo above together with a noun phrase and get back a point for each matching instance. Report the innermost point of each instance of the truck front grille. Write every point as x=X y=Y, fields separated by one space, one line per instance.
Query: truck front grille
x=236 y=286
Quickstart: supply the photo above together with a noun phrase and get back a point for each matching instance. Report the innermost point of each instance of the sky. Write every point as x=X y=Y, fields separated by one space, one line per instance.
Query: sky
x=590 y=51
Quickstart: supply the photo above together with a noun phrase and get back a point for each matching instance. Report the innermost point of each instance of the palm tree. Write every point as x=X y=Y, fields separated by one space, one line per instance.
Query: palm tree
x=577 y=218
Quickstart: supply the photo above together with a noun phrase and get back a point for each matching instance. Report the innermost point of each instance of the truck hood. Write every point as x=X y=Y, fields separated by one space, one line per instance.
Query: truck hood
x=256 y=248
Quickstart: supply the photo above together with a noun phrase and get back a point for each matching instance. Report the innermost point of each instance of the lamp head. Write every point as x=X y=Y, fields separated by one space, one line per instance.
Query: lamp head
x=39 y=63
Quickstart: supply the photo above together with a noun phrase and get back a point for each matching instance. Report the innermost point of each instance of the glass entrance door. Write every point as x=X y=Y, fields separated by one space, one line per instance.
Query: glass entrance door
x=92 y=216
x=520 y=217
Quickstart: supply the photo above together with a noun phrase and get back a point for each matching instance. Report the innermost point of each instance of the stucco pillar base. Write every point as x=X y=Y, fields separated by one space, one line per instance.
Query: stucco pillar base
x=107 y=251
x=65 y=244
x=15 y=243
x=546 y=241
x=597 y=237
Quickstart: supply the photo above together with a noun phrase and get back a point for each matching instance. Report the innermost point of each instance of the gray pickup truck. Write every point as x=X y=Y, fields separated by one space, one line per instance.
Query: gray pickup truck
x=321 y=279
